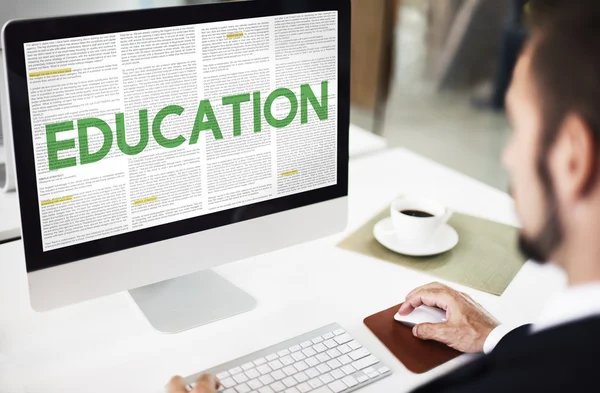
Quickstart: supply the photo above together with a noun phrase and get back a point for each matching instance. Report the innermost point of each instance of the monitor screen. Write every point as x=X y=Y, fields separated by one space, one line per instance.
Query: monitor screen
x=137 y=129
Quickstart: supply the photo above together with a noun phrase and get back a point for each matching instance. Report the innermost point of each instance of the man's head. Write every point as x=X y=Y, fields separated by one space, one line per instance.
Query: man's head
x=554 y=107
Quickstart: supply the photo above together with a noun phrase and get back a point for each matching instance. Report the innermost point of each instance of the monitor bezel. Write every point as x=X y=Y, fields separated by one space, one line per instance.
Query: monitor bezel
x=17 y=33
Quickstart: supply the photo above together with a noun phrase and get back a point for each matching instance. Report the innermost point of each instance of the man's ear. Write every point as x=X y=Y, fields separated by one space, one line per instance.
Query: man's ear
x=573 y=159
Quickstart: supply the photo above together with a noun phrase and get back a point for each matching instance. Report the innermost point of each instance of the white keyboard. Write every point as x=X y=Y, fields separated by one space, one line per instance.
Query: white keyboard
x=327 y=360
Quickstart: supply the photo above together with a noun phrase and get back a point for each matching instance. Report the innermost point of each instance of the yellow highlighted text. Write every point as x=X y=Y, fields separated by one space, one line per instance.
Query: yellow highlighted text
x=235 y=35
x=290 y=173
x=57 y=200
x=50 y=72
x=144 y=201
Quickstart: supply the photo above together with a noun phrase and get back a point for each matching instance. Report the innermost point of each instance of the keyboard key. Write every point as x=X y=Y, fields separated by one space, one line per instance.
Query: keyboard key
x=362 y=378
x=312 y=361
x=337 y=374
x=323 y=368
x=278 y=387
x=365 y=362
x=272 y=357
x=344 y=349
x=345 y=359
x=255 y=384
x=240 y=378
x=337 y=386
x=309 y=352
x=304 y=387
x=228 y=382
x=301 y=366
x=301 y=377
x=235 y=370
x=243 y=388
x=223 y=375
x=348 y=369
x=292 y=390
x=295 y=348
x=330 y=344
x=289 y=370
x=266 y=379
x=383 y=370
x=373 y=374
x=298 y=356
x=359 y=354
x=283 y=352
x=333 y=353
x=275 y=364
x=260 y=361
x=306 y=344
x=264 y=369
x=350 y=381
x=289 y=382
x=326 y=378
x=287 y=360
x=317 y=340
x=327 y=336
x=277 y=375
x=369 y=370
x=315 y=383
x=253 y=373
x=354 y=344
x=247 y=366
x=338 y=332
x=312 y=372
x=320 y=348
x=323 y=357
x=334 y=363
x=265 y=389
x=230 y=390
x=343 y=338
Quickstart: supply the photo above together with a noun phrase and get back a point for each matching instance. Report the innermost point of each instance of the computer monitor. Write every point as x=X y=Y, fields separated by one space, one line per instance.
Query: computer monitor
x=153 y=145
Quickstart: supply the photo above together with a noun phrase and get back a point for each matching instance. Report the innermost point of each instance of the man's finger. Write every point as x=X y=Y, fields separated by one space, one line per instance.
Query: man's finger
x=176 y=385
x=206 y=384
x=431 y=285
x=431 y=331
x=439 y=298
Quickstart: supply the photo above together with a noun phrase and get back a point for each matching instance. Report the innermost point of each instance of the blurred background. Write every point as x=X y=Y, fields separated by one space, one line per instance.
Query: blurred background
x=428 y=75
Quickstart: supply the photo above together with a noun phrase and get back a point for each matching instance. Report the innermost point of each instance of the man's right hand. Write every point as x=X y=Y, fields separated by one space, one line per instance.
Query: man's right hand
x=204 y=384
x=467 y=324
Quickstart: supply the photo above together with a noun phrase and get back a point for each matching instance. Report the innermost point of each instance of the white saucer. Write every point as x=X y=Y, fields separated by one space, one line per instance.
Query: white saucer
x=445 y=240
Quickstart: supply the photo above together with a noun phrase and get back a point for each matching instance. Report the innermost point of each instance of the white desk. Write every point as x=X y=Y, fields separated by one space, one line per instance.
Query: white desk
x=106 y=346
x=10 y=219
x=362 y=143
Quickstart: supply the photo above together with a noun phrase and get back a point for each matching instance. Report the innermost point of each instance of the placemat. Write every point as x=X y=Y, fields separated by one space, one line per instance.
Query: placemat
x=486 y=257
x=417 y=355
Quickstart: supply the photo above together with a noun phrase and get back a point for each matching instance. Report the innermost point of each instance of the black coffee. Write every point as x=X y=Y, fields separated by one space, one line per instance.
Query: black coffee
x=416 y=213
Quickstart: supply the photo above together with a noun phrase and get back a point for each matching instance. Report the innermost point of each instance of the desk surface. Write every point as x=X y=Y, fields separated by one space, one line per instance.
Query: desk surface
x=106 y=346
x=362 y=143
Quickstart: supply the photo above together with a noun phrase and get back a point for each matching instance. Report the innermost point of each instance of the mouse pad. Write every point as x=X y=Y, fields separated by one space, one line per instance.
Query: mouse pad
x=417 y=355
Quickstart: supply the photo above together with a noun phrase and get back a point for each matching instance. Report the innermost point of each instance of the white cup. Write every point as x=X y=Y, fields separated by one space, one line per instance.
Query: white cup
x=418 y=231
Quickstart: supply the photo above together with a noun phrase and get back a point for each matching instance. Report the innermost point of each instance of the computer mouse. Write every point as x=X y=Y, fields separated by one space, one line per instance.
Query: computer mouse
x=422 y=314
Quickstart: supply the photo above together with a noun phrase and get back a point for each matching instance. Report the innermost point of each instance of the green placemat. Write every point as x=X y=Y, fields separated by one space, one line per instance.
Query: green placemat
x=486 y=257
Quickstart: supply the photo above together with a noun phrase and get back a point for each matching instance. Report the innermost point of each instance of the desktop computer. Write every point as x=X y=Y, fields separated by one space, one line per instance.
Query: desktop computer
x=151 y=146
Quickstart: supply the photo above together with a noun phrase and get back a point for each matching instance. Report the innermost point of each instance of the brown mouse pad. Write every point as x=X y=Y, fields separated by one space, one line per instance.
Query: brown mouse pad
x=417 y=355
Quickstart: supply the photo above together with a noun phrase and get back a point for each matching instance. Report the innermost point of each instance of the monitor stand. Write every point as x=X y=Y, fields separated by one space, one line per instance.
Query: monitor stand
x=197 y=299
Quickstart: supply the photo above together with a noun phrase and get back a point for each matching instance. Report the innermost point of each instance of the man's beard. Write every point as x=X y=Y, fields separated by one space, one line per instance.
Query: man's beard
x=540 y=248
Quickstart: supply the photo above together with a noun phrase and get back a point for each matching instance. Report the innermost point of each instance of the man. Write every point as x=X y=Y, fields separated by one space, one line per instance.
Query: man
x=554 y=162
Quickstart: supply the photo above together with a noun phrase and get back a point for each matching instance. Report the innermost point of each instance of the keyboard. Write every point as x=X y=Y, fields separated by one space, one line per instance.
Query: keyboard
x=326 y=360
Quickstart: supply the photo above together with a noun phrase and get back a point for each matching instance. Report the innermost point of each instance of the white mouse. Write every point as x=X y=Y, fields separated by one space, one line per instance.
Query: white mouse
x=422 y=314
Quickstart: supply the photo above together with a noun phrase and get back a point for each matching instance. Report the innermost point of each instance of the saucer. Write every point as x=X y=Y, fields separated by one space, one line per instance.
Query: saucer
x=444 y=240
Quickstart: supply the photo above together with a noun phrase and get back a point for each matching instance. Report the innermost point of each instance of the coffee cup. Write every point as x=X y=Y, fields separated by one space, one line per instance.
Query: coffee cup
x=416 y=220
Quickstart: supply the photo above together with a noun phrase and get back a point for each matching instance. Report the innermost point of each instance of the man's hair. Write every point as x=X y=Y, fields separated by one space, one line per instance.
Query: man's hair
x=565 y=64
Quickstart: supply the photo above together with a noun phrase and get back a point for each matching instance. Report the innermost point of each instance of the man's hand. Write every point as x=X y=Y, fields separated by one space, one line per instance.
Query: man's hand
x=467 y=324
x=205 y=384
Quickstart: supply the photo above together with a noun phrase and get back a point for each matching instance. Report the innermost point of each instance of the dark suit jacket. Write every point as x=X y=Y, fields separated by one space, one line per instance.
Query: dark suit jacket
x=562 y=359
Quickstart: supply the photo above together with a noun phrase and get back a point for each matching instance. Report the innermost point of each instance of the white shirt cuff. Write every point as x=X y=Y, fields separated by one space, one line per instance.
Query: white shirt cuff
x=496 y=335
